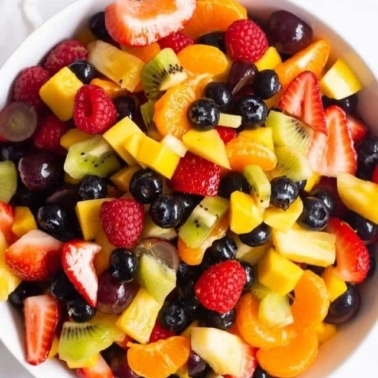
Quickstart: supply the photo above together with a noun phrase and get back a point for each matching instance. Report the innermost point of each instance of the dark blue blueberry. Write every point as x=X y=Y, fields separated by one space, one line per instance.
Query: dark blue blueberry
x=365 y=229
x=260 y=373
x=348 y=104
x=203 y=114
x=83 y=70
x=231 y=182
x=123 y=264
x=188 y=202
x=301 y=184
x=315 y=214
x=284 y=192
x=174 y=316
x=328 y=198
x=252 y=110
x=92 y=187
x=62 y=288
x=13 y=151
x=146 y=186
x=166 y=211
x=221 y=250
x=258 y=236
x=79 y=310
x=97 y=26
x=266 y=84
x=53 y=219
x=250 y=275
x=215 y=39
x=220 y=93
x=126 y=106
x=217 y=320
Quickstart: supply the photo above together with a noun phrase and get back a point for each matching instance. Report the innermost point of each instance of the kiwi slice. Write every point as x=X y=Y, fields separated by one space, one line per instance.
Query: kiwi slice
x=147 y=110
x=8 y=180
x=202 y=220
x=259 y=183
x=161 y=73
x=91 y=157
x=288 y=131
x=291 y=163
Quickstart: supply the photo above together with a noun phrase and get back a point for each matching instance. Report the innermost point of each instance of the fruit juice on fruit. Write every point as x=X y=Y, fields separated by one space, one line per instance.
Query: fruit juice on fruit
x=185 y=196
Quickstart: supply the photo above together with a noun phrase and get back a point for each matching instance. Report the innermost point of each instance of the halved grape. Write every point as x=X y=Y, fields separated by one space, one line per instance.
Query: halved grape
x=18 y=121
x=241 y=73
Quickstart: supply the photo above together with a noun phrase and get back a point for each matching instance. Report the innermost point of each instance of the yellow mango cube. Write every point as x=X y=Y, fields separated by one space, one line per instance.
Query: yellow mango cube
x=311 y=182
x=121 y=179
x=278 y=273
x=58 y=93
x=325 y=331
x=334 y=284
x=245 y=213
x=24 y=221
x=101 y=259
x=270 y=60
x=73 y=136
x=110 y=87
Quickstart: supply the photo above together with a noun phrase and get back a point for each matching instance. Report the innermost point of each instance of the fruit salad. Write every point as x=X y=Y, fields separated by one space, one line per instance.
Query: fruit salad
x=186 y=191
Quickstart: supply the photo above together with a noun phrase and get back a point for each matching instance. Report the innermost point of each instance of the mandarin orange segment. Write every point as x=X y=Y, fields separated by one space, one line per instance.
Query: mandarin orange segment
x=159 y=359
x=194 y=256
x=214 y=15
x=312 y=58
x=171 y=108
x=144 y=53
x=255 y=332
x=292 y=359
x=242 y=151
x=311 y=302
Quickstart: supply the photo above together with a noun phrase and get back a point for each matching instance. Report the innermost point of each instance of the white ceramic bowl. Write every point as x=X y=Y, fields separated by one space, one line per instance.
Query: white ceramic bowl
x=341 y=357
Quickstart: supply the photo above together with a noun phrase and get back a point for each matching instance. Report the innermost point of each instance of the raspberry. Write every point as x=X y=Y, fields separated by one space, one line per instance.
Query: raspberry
x=48 y=134
x=160 y=333
x=64 y=54
x=226 y=133
x=176 y=41
x=94 y=111
x=122 y=221
x=245 y=40
x=27 y=85
x=220 y=286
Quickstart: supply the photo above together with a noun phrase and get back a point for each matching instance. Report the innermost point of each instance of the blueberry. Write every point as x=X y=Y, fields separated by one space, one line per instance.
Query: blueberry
x=53 y=219
x=301 y=184
x=220 y=93
x=217 y=320
x=231 y=182
x=166 y=211
x=126 y=106
x=92 y=187
x=284 y=192
x=258 y=236
x=365 y=229
x=250 y=275
x=252 y=110
x=367 y=151
x=97 y=26
x=260 y=373
x=221 y=250
x=24 y=290
x=174 y=316
x=348 y=104
x=83 y=70
x=266 y=84
x=13 y=151
x=123 y=264
x=315 y=214
x=62 y=288
x=188 y=202
x=328 y=198
x=203 y=114
x=215 y=39
x=146 y=186
x=186 y=292
x=79 y=310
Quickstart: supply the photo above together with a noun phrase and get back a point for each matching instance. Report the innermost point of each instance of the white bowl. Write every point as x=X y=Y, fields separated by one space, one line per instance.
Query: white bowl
x=350 y=352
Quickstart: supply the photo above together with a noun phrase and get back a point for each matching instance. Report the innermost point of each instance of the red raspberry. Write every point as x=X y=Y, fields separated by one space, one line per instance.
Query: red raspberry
x=220 y=286
x=94 y=111
x=122 y=221
x=64 y=54
x=226 y=133
x=245 y=40
x=27 y=85
x=176 y=41
x=160 y=333
x=48 y=134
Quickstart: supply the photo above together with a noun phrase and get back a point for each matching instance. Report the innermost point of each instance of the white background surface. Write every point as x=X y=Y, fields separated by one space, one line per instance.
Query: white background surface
x=347 y=14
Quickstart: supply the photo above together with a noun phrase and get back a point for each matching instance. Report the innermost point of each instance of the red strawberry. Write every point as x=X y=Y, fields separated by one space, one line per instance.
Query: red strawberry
x=48 y=134
x=226 y=133
x=352 y=256
x=27 y=85
x=94 y=111
x=176 y=41
x=148 y=22
x=35 y=256
x=6 y=222
x=357 y=128
x=302 y=99
x=249 y=363
x=77 y=261
x=41 y=317
x=122 y=221
x=195 y=175
x=220 y=286
x=160 y=333
x=245 y=40
x=100 y=370
x=374 y=177
x=338 y=154
x=64 y=54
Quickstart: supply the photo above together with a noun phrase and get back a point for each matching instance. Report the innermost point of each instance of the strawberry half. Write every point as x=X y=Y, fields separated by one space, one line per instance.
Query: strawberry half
x=357 y=128
x=140 y=23
x=352 y=256
x=35 y=256
x=6 y=221
x=100 y=370
x=77 y=261
x=302 y=99
x=41 y=314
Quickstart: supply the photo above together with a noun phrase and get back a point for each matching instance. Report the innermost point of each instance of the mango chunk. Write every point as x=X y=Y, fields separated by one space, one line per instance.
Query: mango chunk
x=334 y=284
x=325 y=331
x=73 y=136
x=270 y=60
x=121 y=179
x=101 y=259
x=278 y=273
x=110 y=87
x=58 y=93
x=24 y=221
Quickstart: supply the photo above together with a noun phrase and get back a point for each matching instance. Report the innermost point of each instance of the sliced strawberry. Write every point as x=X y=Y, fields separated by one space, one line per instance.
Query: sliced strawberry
x=6 y=222
x=226 y=133
x=302 y=99
x=352 y=256
x=77 y=261
x=41 y=314
x=35 y=256
x=249 y=363
x=100 y=370
x=338 y=155
x=374 y=177
x=147 y=22
x=357 y=128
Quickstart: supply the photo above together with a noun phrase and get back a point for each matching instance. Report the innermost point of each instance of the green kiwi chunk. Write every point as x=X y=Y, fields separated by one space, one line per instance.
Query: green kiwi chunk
x=288 y=131
x=91 y=157
x=147 y=110
x=202 y=220
x=259 y=183
x=291 y=163
x=161 y=73
x=8 y=180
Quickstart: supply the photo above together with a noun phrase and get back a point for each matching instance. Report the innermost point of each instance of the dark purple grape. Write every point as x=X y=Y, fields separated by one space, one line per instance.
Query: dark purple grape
x=13 y=151
x=113 y=296
x=66 y=196
x=288 y=32
x=41 y=170
x=241 y=74
x=18 y=121
x=196 y=365
x=121 y=368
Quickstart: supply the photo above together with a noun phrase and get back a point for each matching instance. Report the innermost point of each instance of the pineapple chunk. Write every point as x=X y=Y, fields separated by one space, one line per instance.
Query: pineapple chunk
x=24 y=221
x=334 y=284
x=73 y=136
x=278 y=273
x=58 y=93
x=270 y=60
x=121 y=179
x=305 y=246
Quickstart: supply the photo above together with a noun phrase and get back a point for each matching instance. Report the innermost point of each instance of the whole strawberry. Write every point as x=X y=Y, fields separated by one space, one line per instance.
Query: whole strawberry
x=176 y=41
x=245 y=40
x=122 y=221
x=220 y=286
x=64 y=54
